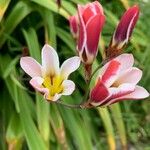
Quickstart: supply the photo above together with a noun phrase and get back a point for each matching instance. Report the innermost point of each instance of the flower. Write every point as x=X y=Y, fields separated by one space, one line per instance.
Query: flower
x=48 y=78
x=91 y=21
x=73 y=21
x=117 y=81
x=123 y=31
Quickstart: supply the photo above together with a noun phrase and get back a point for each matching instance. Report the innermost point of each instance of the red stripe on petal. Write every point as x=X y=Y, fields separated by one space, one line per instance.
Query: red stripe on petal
x=111 y=70
x=99 y=92
x=117 y=93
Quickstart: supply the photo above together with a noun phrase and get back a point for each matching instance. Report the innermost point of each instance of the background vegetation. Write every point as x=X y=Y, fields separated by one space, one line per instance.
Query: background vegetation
x=27 y=121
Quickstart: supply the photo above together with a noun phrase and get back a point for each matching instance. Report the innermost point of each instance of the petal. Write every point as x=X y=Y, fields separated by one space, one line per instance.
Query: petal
x=93 y=29
x=98 y=7
x=55 y=98
x=138 y=93
x=36 y=82
x=30 y=66
x=50 y=61
x=109 y=72
x=116 y=93
x=88 y=13
x=132 y=75
x=74 y=26
x=98 y=93
x=126 y=25
x=126 y=61
x=69 y=87
x=69 y=66
x=82 y=30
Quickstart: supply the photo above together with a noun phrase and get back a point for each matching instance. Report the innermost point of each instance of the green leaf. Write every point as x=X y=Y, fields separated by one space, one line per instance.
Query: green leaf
x=10 y=67
x=3 y=7
x=19 y=12
x=117 y=117
x=33 y=44
x=104 y=113
x=51 y=5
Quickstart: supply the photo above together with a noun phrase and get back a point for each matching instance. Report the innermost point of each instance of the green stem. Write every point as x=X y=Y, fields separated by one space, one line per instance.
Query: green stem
x=88 y=83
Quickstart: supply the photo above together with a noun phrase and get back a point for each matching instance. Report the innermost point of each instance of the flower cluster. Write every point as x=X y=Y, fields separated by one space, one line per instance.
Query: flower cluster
x=117 y=79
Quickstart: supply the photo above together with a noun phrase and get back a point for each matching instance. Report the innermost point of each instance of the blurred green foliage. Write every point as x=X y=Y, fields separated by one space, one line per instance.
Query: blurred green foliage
x=27 y=121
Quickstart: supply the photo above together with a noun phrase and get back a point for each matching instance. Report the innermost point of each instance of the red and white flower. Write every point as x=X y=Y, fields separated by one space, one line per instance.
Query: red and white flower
x=48 y=78
x=117 y=81
x=91 y=21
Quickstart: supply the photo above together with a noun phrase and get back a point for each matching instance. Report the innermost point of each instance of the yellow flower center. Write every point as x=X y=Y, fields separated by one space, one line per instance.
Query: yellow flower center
x=54 y=84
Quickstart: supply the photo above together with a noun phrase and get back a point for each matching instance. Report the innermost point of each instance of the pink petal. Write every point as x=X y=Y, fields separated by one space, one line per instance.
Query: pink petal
x=88 y=13
x=132 y=75
x=69 y=66
x=50 y=61
x=126 y=61
x=93 y=29
x=109 y=72
x=69 y=87
x=36 y=82
x=30 y=66
x=98 y=7
x=74 y=25
x=138 y=93
x=82 y=30
x=117 y=93
x=98 y=93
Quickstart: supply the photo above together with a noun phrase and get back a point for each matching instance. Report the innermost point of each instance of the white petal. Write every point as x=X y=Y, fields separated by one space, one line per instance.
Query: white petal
x=69 y=87
x=123 y=89
x=138 y=93
x=126 y=61
x=54 y=98
x=30 y=66
x=50 y=61
x=69 y=66
x=36 y=82
x=132 y=75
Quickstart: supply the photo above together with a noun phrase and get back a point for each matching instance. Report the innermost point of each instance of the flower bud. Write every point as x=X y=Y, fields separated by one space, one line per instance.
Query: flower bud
x=123 y=32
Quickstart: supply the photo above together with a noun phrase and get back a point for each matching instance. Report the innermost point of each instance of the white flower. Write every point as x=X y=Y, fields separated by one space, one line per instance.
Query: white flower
x=48 y=78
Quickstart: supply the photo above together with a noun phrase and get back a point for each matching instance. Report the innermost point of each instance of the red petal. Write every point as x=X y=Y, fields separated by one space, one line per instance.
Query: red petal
x=93 y=29
x=88 y=13
x=126 y=24
x=99 y=92
x=82 y=30
x=98 y=7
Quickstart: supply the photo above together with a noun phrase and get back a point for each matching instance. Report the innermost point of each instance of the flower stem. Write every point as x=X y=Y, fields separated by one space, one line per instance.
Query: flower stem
x=88 y=83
